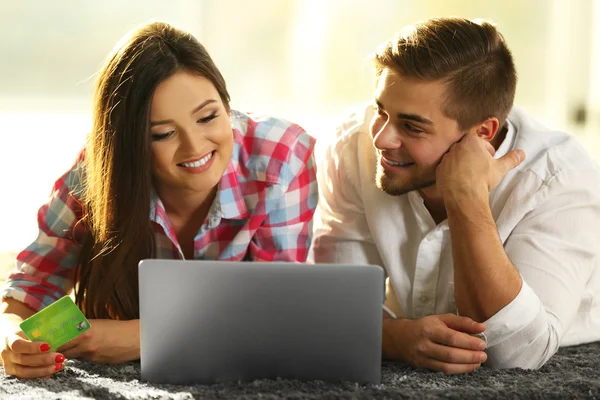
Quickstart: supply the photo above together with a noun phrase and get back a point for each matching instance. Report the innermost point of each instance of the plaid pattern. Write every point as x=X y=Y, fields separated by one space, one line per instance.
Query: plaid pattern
x=262 y=212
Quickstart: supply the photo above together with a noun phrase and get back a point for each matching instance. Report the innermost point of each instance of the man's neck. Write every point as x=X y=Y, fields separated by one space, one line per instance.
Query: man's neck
x=434 y=203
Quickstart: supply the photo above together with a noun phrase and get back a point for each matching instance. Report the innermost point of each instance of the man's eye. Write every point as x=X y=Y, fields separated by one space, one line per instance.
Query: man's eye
x=412 y=128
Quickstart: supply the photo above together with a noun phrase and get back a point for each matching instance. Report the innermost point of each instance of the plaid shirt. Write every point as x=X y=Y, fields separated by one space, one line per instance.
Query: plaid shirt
x=262 y=212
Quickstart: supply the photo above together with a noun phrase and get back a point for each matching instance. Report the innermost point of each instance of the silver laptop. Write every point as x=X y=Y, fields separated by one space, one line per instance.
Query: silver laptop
x=217 y=321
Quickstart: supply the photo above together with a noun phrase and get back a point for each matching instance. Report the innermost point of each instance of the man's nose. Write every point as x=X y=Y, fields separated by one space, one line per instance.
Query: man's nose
x=387 y=137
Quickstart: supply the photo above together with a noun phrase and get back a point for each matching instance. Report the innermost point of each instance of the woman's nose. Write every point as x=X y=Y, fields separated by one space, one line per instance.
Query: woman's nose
x=189 y=142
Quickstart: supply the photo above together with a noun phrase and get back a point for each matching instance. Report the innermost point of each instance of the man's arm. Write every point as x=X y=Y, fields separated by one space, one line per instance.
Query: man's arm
x=553 y=249
x=485 y=280
x=342 y=235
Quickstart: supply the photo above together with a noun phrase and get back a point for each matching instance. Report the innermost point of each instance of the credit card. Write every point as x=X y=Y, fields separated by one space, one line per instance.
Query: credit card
x=57 y=324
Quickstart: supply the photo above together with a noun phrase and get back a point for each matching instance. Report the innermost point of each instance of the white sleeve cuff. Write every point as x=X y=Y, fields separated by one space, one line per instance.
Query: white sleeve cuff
x=514 y=317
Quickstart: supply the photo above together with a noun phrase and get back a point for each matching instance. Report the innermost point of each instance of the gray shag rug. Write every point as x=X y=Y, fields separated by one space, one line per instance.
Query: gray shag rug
x=573 y=373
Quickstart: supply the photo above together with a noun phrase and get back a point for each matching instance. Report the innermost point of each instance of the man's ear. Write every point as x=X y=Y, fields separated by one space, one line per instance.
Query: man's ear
x=487 y=129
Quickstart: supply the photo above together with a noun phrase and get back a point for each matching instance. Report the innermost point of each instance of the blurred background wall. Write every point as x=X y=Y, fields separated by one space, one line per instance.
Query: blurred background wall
x=306 y=60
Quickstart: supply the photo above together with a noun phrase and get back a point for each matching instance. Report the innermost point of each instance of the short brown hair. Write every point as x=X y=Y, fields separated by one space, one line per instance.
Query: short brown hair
x=470 y=56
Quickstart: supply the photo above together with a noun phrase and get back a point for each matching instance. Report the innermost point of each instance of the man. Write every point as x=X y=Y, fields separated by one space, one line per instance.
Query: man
x=487 y=223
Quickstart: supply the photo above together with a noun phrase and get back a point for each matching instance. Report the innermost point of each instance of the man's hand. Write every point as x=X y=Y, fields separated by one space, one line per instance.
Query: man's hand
x=436 y=342
x=107 y=341
x=469 y=167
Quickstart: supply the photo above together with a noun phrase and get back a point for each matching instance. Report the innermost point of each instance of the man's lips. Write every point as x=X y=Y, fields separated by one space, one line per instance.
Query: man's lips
x=396 y=163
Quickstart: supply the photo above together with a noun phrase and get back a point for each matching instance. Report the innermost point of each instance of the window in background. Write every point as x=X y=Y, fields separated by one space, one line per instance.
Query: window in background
x=50 y=53
x=306 y=60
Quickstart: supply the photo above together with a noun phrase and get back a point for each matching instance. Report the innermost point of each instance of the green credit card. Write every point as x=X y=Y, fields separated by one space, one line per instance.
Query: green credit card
x=56 y=324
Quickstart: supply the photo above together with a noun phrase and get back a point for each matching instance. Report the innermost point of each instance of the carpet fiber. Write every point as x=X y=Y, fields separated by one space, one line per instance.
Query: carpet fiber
x=574 y=372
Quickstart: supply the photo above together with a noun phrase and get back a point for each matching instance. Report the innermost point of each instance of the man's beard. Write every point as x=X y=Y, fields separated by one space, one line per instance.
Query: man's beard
x=386 y=182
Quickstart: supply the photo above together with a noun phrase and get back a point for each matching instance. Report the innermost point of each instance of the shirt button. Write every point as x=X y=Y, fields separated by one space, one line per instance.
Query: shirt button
x=424 y=299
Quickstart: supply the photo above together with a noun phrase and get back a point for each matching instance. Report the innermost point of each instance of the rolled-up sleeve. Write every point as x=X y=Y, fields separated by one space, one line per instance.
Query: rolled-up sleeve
x=555 y=248
x=286 y=232
x=45 y=269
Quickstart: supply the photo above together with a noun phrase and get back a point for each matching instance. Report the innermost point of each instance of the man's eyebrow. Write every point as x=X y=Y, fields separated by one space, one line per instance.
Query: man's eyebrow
x=411 y=117
x=415 y=117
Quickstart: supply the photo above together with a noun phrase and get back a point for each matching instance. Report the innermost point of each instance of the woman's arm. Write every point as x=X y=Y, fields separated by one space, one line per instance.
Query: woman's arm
x=107 y=341
x=46 y=268
x=12 y=313
x=44 y=273
x=286 y=231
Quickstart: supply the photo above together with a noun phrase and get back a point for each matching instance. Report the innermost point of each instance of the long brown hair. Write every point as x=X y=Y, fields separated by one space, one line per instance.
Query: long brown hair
x=470 y=56
x=117 y=184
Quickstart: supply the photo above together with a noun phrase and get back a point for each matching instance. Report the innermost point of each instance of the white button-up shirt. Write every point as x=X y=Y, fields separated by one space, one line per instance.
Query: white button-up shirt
x=547 y=212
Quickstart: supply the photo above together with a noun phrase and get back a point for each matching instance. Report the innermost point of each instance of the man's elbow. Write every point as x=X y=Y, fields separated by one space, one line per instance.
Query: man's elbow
x=525 y=355
x=530 y=362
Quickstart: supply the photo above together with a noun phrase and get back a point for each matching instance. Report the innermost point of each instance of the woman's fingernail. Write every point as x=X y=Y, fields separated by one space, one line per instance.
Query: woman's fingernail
x=59 y=359
x=45 y=347
x=57 y=367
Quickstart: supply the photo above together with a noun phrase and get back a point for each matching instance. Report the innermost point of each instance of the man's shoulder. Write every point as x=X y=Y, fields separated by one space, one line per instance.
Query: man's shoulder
x=548 y=151
x=351 y=134
x=355 y=121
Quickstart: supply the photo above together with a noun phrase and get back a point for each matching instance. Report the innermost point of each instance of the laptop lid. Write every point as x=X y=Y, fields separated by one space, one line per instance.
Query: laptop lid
x=218 y=321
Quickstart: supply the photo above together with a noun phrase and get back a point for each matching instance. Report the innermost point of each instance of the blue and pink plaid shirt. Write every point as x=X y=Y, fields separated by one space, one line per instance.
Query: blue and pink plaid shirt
x=262 y=212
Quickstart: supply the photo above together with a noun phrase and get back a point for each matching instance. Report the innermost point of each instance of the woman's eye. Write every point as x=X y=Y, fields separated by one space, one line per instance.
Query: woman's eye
x=161 y=136
x=208 y=119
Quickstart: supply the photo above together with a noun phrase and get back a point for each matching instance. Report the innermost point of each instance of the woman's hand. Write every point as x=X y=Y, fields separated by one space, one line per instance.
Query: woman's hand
x=20 y=356
x=26 y=359
x=107 y=341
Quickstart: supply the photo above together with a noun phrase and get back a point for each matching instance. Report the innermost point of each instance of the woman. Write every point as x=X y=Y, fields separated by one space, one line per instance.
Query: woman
x=169 y=171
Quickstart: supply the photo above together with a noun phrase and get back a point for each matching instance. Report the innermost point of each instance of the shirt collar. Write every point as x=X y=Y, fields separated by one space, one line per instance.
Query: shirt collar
x=229 y=203
x=508 y=142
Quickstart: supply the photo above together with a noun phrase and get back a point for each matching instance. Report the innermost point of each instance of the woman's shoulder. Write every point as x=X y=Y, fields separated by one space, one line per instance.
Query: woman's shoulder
x=264 y=127
x=270 y=148
x=72 y=181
